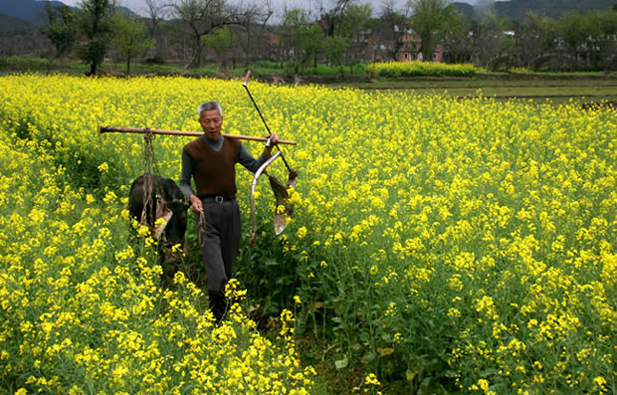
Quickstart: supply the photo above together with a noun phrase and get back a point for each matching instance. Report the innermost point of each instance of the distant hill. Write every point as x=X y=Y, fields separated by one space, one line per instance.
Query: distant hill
x=516 y=9
x=33 y=11
x=464 y=8
x=13 y=25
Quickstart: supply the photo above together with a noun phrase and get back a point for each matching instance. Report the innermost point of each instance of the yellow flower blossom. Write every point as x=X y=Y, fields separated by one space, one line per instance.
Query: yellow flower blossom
x=371 y=379
x=301 y=233
x=491 y=221
x=103 y=168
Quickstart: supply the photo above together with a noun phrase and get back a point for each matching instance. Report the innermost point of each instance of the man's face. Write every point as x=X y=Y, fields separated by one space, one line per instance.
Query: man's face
x=211 y=122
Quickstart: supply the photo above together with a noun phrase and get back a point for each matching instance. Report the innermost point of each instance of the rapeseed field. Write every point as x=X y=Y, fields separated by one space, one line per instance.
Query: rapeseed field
x=439 y=245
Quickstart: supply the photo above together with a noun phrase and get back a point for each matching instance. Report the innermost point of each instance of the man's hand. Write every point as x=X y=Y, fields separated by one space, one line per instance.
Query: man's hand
x=273 y=138
x=196 y=204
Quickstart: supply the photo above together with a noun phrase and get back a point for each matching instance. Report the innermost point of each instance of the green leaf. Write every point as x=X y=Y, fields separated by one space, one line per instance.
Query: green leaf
x=341 y=363
x=410 y=375
x=271 y=262
x=369 y=357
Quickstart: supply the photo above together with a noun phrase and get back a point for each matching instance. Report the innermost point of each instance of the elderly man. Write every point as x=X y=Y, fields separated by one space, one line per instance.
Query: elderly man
x=210 y=160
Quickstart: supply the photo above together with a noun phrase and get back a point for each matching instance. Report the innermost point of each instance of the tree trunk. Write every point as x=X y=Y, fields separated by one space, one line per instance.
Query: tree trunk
x=93 y=67
x=195 y=60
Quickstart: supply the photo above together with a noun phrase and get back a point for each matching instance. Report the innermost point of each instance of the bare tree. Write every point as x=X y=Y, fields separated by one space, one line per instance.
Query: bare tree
x=289 y=34
x=395 y=26
x=331 y=18
x=200 y=17
x=252 y=17
x=155 y=12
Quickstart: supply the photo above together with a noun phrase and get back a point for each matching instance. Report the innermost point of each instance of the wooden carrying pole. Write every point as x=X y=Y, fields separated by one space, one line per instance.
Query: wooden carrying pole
x=108 y=129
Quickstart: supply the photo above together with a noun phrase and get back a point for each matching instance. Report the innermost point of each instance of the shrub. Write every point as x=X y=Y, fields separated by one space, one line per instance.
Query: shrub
x=415 y=69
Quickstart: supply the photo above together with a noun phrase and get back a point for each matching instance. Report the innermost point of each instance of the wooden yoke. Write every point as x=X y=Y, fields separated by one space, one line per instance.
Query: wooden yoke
x=108 y=129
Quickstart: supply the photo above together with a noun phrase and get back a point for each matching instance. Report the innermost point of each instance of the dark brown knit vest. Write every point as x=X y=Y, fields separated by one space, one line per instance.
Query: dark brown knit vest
x=215 y=172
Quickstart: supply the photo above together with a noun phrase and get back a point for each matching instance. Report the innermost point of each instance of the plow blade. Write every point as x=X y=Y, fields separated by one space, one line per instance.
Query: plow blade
x=284 y=209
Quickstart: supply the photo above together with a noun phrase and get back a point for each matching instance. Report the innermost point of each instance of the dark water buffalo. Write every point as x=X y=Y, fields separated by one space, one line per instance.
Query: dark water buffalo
x=152 y=197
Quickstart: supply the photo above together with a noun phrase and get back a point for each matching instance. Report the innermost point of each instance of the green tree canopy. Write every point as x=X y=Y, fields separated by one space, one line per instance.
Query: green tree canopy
x=310 y=43
x=130 y=38
x=334 y=49
x=220 y=41
x=61 y=29
x=537 y=35
x=354 y=20
x=491 y=45
x=457 y=39
x=95 y=23
x=574 y=31
x=429 y=21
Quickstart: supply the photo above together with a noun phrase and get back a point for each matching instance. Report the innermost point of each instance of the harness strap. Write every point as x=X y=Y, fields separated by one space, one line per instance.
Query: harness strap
x=201 y=229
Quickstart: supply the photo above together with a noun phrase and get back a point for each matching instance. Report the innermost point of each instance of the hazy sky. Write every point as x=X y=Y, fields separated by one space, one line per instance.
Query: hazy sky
x=139 y=6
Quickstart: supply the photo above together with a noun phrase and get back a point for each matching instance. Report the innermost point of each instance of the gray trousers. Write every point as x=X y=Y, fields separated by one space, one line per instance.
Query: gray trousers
x=223 y=233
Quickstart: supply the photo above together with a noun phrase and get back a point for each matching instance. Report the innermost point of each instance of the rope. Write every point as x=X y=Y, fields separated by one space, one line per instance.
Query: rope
x=149 y=164
x=149 y=158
